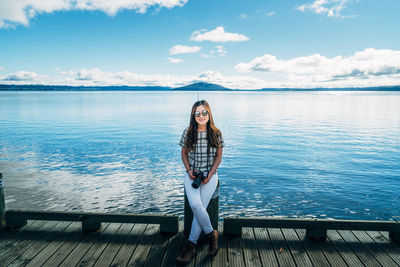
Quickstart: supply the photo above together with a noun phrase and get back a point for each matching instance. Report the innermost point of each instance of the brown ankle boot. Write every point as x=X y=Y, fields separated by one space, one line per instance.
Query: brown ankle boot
x=187 y=253
x=213 y=241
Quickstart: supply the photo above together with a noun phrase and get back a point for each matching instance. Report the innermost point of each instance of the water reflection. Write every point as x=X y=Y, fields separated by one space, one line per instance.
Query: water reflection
x=317 y=155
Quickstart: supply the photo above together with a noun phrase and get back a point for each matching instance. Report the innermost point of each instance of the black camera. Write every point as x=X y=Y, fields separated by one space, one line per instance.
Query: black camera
x=199 y=177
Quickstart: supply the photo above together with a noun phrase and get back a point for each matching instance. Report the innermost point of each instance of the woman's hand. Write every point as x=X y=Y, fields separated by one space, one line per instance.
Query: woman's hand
x=190 y=173
x=207 y=179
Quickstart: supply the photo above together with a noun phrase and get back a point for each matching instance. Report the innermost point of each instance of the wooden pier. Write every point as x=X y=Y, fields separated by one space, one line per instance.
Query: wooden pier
x=51 y=238
x=62 y=243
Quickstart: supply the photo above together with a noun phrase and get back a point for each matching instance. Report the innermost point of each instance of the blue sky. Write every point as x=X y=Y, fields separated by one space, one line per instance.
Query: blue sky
x=239 y=44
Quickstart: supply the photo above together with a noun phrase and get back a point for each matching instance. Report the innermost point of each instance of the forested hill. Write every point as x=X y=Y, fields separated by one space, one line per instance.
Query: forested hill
x=191 y=87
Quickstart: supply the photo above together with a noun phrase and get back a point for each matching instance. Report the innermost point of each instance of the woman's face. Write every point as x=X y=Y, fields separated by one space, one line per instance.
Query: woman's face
x=202 y=120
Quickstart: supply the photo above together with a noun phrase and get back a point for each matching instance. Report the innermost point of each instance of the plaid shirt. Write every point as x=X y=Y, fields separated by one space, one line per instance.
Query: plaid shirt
x=198 y=155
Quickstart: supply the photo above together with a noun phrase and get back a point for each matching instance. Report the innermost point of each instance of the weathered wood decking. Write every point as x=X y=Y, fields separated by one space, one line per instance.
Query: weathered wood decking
x=54 y=243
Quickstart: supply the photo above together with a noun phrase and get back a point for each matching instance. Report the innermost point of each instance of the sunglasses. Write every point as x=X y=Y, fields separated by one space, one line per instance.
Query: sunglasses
x=203 y=112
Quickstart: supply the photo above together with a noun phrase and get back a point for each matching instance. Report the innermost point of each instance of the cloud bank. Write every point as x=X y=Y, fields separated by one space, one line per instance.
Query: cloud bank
x=217 y=35
x=97 y=77
x=369 y=67
x=24 y=76
x=369 y=64
x=15 y=12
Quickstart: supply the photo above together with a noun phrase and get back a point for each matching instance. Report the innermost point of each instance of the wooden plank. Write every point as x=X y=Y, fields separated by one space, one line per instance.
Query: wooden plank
x=19 y=240
x=344 y=250
x=358 y=248
x=54 y=245
x=378 y=253
x=126 y=251
x=332 y=255
x=281 y=249
x=299 y=254
x=386 y=245
x=173 y=249
x=168 y=223
x=265 y=247
x=5 y=235
x=250 y=250
x=14 y=238
x=317 y=257
x=235 y=251
x=66 y=248
x=114 y=245
x=157 y=250
x=139 y=256
x=30 y=246
x=233 y=222
x=95 y=251
x=386 y=235
x=221 y=259
x=201 y=258
x=80 y=250
x=43 y=215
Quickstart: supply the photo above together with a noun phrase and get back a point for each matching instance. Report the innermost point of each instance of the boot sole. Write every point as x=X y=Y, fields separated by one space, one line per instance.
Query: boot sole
x=185 y=263
x=213 y=255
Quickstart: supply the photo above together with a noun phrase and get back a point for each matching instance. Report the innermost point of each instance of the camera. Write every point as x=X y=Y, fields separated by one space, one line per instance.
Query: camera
x=199 y=177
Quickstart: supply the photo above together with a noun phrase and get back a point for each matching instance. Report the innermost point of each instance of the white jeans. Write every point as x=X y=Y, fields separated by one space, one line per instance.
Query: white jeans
x=198 y=200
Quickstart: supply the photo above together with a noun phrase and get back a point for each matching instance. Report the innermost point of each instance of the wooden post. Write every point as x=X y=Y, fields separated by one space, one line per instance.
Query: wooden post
x=212 y=210
x=232 y=227
x=89 y=225
x=316 y=234
x=395 y=236
x=2 y=204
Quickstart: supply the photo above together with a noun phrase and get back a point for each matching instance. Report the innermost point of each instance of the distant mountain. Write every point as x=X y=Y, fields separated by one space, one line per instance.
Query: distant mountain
x=202 y=87
x=12 y=87
x=375 y=88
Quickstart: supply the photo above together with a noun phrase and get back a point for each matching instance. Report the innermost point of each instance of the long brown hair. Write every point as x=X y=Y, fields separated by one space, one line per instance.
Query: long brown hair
x=212 y=131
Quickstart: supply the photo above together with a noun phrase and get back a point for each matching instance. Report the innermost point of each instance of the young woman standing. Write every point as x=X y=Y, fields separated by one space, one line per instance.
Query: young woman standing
x=202 y=145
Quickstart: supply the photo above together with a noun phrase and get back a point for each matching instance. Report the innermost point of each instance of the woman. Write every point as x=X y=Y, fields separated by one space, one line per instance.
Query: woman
x=202 y=145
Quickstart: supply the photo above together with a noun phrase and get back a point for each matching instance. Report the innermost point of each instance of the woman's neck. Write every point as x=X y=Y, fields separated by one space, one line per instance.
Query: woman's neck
x=202 y=128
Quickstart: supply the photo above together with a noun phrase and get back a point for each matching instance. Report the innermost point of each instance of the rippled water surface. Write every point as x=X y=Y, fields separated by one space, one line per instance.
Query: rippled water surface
x=291 y=154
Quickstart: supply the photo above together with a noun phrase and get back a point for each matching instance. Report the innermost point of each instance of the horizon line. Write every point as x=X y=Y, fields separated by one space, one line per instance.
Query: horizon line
x=191 y=87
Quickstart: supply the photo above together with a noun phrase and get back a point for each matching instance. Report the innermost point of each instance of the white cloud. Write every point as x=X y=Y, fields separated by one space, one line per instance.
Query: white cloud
x=218 y=35
x=183 y=49
x=25 y=76
x=331 y=8
x=175 y=60
x=242 y=16
x=1 y=68
x=270 y=13
x=233 y=82
x=370 y=67
x=94 y=74
x=14 y=12
x=207 y=55
x=370 y=64
x=219 y=50
x=97 y=77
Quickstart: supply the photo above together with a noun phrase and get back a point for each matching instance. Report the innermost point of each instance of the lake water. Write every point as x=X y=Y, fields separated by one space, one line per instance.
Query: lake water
x=290 y=154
